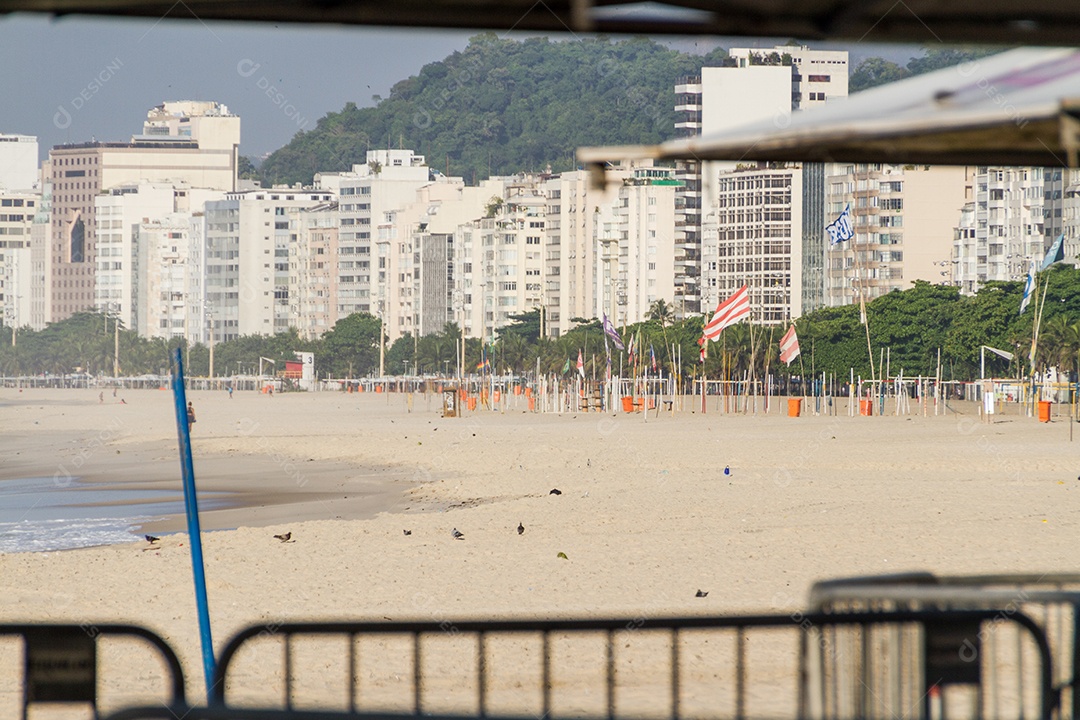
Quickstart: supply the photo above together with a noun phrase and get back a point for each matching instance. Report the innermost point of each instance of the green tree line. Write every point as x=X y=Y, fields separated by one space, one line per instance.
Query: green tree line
x=912 y=325
x=874 y=71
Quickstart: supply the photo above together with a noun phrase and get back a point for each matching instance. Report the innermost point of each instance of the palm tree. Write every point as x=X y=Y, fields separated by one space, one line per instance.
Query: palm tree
x=661 y=312
x=1060 y=343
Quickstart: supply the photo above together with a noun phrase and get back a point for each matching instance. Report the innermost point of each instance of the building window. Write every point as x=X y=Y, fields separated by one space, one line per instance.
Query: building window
x=78 y=242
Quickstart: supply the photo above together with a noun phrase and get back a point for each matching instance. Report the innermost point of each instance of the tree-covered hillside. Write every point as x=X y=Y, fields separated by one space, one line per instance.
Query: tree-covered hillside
x=874 y=71
x=505 y=106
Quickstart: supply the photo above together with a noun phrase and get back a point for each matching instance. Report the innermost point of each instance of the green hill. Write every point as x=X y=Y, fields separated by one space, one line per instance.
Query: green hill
x=504 y=106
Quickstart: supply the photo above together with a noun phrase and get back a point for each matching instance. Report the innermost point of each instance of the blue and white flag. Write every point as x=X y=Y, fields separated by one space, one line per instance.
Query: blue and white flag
x=840 y=229
x=1055 y=253
x=1029 y=288
x=609 y=330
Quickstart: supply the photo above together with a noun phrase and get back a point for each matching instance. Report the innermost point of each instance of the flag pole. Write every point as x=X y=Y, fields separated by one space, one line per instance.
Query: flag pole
x=191 y=505
x=862 y=285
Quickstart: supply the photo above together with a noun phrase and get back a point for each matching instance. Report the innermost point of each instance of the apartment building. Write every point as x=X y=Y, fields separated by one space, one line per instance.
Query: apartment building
x=162 y=273
x=816 y=75
x=635 y=246
x=1002 y=226
x=438 y=289
x=18 y=162
x=248 y=237
x=40 y=295
x=387 y=182
x=570 y=259
x=313 y=269
x=119 y=212
x=757 y=85
x=755 y=239
x=904 y=218
x=200 y=150
x=17 y=212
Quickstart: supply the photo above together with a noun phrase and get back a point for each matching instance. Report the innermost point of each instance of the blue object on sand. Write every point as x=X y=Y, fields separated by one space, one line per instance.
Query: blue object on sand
x=191 y=503
x=727 y=470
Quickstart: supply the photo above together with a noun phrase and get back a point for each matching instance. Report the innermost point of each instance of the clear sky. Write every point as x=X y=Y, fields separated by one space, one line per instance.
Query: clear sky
x=79 y=78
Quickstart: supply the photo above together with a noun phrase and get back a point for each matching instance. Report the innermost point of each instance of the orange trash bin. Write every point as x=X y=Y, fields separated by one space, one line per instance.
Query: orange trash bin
x=794 y=407
x=866 y=407
x=1044 y=411
x=628 y=404
x=471 y=403
x=532 y=404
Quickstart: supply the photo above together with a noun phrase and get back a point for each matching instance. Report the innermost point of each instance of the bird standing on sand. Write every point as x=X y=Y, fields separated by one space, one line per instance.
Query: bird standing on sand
x=521 y=529
x=151 y=539
x=283 y=538
x=457 y=534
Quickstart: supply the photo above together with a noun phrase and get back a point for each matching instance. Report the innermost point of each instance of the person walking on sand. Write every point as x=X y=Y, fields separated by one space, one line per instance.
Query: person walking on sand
x=190 y=414
x=100 y=397
x=229 y=388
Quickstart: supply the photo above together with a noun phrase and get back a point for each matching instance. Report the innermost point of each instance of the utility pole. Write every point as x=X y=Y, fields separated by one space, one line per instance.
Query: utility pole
x=382 y=342
x=210 y=321
x=116 y=348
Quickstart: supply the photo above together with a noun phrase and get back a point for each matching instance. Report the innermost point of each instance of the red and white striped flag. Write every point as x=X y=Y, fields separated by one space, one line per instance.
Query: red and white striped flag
x=729 y=312
x=702 y=343
x=580 y=363
x=789 y=346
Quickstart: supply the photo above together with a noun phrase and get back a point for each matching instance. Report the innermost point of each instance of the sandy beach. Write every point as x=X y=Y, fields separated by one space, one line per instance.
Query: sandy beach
x=645 y=518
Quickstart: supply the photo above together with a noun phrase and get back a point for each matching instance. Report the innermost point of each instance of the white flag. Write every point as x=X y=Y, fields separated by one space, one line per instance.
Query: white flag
x=840 y=229
x=1029 y=288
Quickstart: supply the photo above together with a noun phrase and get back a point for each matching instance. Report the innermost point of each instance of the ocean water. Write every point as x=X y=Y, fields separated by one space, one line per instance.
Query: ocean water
x=38 y=514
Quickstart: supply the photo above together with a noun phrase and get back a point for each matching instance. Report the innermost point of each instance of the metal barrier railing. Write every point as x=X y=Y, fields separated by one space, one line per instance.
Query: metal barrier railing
x=60 y=662
x=859 y=664
x=1052 y=600
x=160 y=712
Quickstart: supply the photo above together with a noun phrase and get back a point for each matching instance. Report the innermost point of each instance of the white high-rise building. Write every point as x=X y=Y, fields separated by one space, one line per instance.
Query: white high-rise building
x=18 y=162
x=119 y=213
x=817 y=75
x=1002 y=231
x=386 y=183
x=755 y=239
x=635 y=246
x=1070 y=215
x=248 y=237
x=162 y=268
x=434 y=261
x=313 y=269
x=512 y=259
x=572 y=260
x=757 y=85
x=17 y=211
x=174 y=150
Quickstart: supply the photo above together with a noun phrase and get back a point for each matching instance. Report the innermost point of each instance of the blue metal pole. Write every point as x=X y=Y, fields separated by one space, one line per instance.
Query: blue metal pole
x=192 y=506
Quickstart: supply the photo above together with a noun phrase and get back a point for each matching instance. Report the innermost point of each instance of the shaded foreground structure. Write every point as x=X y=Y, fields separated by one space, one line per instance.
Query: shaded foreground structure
x=987 y=21
x=912 y=645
